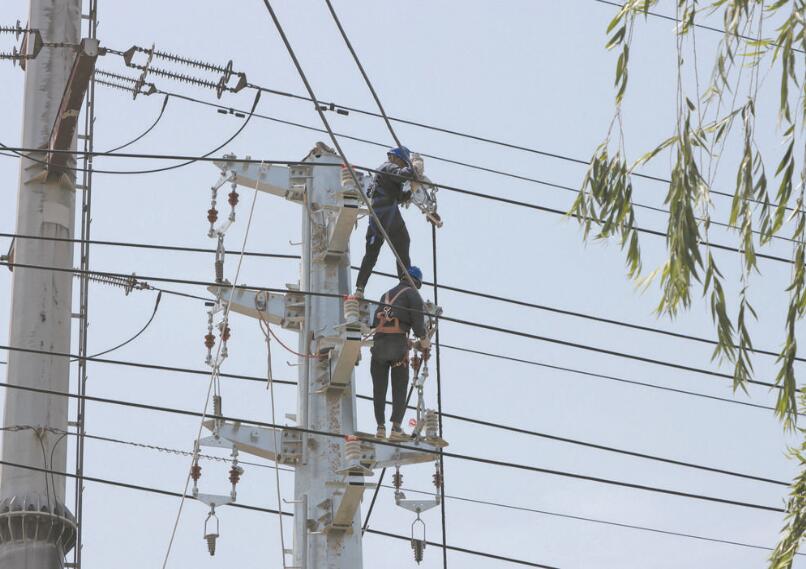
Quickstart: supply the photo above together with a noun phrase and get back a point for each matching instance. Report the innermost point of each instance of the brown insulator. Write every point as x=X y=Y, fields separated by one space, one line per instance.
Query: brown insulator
x=233 y=198
x=226 y=333
x=195 y=472
x=397 y=480
x=211 y=537
x=437 y=478
x=212 y=215
x=209 y=341
x=235 y=475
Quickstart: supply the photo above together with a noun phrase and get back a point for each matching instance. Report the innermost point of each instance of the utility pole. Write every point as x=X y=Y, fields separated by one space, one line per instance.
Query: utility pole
x=38 y=530
x=329 y=471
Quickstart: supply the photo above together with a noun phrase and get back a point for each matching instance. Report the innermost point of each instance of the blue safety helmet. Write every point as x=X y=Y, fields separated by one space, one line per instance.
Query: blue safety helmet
x=416 y=274
x=401 y=152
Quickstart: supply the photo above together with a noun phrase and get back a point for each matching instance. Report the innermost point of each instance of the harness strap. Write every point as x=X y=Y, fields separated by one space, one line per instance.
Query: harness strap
x=387 y=324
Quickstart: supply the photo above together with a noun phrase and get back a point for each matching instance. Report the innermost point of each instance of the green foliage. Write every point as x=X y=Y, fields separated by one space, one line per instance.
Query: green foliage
x=604 y=206
x=784 y=555
x=606 y=200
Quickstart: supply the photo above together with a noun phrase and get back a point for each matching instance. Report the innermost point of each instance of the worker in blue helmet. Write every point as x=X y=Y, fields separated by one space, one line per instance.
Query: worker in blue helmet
x=387 y=193
x=400 y=311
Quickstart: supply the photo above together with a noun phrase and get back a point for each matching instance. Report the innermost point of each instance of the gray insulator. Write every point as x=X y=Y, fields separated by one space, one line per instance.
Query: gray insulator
x=418 y=546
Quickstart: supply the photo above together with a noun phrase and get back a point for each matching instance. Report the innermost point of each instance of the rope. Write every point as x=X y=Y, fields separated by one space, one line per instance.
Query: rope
x=270 y=386
x=213 y=376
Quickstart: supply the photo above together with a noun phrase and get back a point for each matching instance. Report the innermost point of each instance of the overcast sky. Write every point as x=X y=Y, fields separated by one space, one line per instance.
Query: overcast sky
x=531 y=72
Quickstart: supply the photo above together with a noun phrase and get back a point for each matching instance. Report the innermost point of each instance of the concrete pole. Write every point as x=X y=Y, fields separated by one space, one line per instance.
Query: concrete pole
x=317 y=482
x=36 y=529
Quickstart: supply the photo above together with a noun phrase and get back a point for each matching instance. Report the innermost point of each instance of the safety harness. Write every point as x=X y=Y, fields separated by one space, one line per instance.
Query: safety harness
x=388 y=324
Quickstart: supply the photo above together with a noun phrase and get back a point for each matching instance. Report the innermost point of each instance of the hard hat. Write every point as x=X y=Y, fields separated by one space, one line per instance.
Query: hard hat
x=401 y=152
x=415 y=273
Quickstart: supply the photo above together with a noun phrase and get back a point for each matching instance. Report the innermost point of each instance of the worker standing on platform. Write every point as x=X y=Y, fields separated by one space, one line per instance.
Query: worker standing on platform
x=401 y=310
x=387 y=193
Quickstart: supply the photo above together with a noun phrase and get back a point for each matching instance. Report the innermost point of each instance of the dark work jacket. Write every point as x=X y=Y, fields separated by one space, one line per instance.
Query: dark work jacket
x=387 y=193
x=408 y=308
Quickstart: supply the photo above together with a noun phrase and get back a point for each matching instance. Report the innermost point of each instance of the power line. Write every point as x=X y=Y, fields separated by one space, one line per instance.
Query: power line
x=187 y=160
x=446 y=187
x=488 y=140
x=412 y=447
x=335 y=141
x=460 y=290
x=480 y=422
x=260 y=509
x=145 y=132
x=701 y=26
x=138 y=334
x=481 y=502
x=609 y=377
x=435 y=157
x=479 y=325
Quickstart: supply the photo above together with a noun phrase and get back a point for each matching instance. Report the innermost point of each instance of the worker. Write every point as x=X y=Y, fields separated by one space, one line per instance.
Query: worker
x=387 y=193
x=401 y=310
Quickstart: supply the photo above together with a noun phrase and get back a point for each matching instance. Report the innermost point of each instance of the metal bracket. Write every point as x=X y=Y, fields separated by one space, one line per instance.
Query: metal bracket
x=348 y=499
x=267 y=178
x=367 y=455
x=340 y=226
x=336 y=371
x=287 y=310
x=416 y=506
x=260 y=441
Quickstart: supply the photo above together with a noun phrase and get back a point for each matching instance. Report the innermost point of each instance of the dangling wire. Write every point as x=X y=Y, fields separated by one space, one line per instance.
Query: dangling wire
x=266 y=329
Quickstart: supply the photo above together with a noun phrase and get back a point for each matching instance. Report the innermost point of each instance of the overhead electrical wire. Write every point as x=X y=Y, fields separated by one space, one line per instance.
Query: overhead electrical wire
x=145 y=132
x=384 y=117
x=608 y=377
x=696 y=25
x=137 y=335
x=459 y=290
x=469 y=323
x=335 y=141
x=186 y=160
x=436 y=157
x=260 y=509
x=477 y=501
x=480 y=422
x=536 y=207
x=412 y=447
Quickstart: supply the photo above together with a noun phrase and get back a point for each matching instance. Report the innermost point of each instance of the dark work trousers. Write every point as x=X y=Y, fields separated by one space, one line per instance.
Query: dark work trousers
x=389 y=349
x=399 y=236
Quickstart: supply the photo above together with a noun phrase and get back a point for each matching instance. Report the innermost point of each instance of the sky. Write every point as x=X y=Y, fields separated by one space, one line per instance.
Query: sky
x=531 y=72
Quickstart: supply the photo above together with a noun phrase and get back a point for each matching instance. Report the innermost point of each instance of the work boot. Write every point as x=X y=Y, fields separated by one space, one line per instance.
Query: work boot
x=359 y=294
x=381 y=432
x=398 y=434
